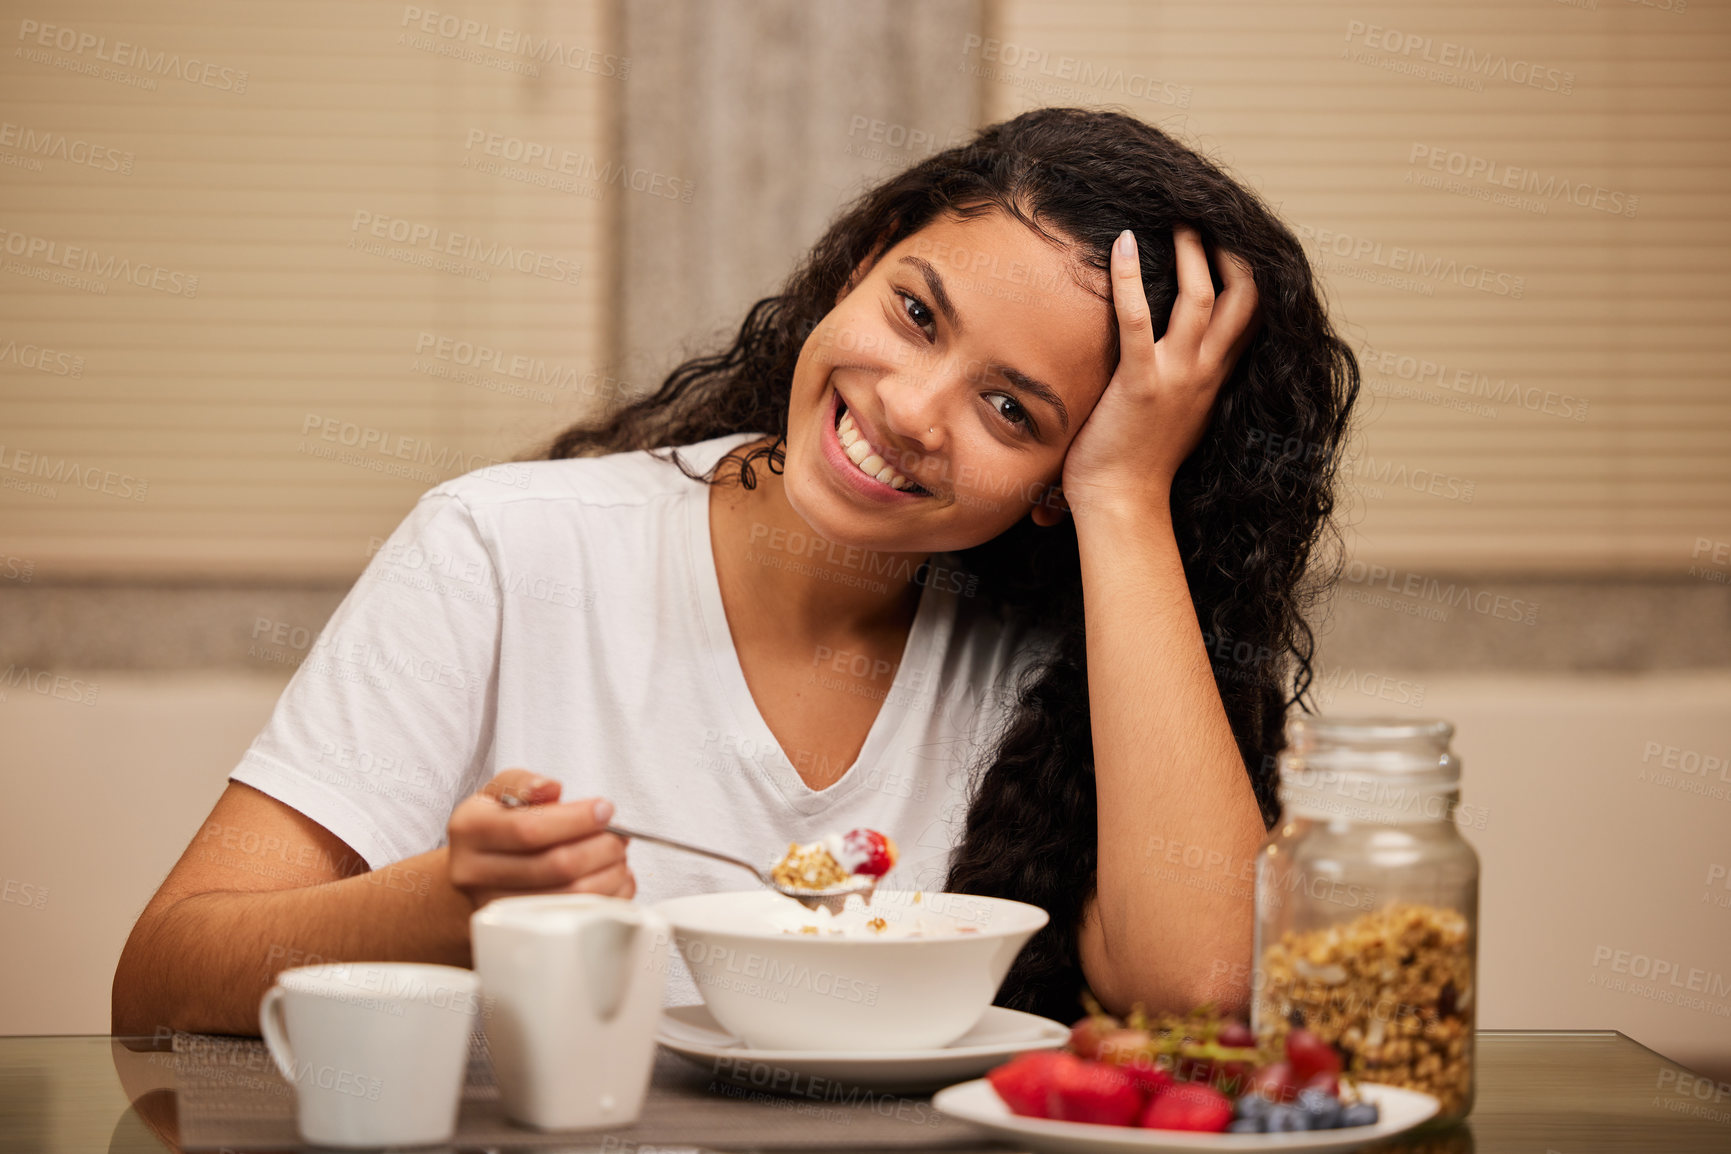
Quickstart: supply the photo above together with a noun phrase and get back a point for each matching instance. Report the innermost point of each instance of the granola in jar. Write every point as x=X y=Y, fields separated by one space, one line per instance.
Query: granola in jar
x=1391 y=990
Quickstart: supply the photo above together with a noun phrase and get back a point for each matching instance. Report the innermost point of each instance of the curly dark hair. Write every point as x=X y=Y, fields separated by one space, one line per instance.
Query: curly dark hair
x=1250 y=507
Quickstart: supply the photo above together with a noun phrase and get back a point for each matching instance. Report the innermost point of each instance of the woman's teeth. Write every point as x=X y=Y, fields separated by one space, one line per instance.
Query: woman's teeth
x=860 y=453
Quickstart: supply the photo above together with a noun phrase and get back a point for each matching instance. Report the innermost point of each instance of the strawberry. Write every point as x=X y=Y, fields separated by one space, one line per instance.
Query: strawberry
x=1149 y=1078
x=876 y=850
x=1191 y=1069
x=1025 y=1081
x=1233 y=1078
x=1189 y=1106
x=1094 y=1092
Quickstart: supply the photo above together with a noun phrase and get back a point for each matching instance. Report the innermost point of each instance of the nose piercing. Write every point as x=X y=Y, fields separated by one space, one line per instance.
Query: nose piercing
x=933 y=429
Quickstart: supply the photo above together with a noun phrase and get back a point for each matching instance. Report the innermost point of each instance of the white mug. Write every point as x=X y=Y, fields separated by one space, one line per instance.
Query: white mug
x=376 y=1051
x=573 y=984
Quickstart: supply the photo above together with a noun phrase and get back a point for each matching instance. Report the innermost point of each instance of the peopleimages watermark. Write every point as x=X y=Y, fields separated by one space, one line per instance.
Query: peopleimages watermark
x=1500 y=176
x=42 y=359
x=27 y=894
x=766 y=975
x=39 y=144
x=1367 y=476
x=515 y=374
x=1405 y=268
x=1359 y=797
x=1239 y=660
x=1068 y=78
x=1717 y=553
x=85 y=261
x=402 y=455
x=1447 y=61
x=267 y=632
x=556 y=162
x=1661 y=980
x=354 y=762
x=1368 y=683
x=808 y=546
x=237 y=1063
x=269 y=855
x=46 y=683
x=60 y=471
x=984 y=266
x=1686 y=770
x=1415 y=593
x=127 y=55
x=462 y=36
x=345 y=658
x=800 y=1092
x=1720 y=875
x=883 y=138
x=1690 y=1091
x=468 y=577
x=1213 y=870
x=431 y=242
x=1433 y=381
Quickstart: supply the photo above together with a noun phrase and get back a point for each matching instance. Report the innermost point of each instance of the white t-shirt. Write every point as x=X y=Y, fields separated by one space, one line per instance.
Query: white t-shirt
x=565 y=617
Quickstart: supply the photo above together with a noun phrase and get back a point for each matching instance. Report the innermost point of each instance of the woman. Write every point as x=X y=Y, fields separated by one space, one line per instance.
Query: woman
x=1008 y=508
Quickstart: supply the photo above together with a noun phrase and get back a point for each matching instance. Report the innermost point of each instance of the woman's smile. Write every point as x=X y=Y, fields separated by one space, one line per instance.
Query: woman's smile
x=861 y=459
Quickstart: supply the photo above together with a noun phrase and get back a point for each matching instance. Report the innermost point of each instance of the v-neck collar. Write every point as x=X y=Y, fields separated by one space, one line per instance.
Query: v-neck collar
x=926 y=636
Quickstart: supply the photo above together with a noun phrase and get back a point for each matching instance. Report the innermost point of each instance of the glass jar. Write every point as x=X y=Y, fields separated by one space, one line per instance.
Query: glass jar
x=1367 y=905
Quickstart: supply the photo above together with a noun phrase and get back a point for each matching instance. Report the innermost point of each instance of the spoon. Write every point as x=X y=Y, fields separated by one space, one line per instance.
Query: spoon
x=831 y=898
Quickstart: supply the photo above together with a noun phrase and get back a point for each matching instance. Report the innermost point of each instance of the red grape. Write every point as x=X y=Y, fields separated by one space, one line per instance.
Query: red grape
x=1310 y=1055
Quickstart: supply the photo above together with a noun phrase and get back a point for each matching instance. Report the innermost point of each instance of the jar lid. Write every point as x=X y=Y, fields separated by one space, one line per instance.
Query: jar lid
x=1377 y=769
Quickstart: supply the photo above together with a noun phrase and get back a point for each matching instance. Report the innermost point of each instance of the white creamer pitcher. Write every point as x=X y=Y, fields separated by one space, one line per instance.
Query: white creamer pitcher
x=572 y=988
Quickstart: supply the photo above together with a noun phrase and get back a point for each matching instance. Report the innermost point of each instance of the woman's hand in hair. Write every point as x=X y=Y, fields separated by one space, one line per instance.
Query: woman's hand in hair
x=541 y=846
x=1156 y=406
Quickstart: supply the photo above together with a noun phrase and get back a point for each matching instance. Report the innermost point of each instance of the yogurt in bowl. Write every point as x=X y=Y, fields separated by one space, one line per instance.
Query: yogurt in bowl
x=781 y=977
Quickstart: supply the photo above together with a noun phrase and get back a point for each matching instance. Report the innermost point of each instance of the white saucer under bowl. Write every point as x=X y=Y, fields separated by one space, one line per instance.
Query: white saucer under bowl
x=1000 y=1034
x=978 y=1103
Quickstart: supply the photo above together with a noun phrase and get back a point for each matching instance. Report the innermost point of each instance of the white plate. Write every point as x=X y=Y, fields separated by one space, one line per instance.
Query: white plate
x=999 y=1035
x=978 y=1103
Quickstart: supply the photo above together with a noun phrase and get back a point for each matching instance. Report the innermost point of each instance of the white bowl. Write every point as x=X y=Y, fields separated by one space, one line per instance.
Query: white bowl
x=778 y=990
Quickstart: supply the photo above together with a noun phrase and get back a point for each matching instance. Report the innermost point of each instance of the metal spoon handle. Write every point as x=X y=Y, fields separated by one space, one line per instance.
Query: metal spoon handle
x=670 y=843
x=833 y=900
x=511 y=801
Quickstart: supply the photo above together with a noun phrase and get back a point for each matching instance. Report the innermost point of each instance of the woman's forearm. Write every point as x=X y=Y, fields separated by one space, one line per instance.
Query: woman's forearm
x=203 y=962
x=1178 y=823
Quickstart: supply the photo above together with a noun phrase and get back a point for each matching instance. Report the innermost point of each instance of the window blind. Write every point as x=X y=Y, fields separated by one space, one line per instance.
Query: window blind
x=1519 y=215
x=273 y=269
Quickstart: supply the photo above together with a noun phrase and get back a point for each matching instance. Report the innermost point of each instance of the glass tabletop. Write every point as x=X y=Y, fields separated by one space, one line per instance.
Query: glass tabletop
x=1539 y=1092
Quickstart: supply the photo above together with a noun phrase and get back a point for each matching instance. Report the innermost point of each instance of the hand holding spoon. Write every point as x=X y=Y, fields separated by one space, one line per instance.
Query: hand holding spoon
x=832 y=898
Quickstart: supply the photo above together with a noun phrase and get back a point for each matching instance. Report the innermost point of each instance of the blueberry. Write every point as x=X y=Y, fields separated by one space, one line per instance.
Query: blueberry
x=1282 y=1119
x=1245 y=1126
x=1360 y=1114
x=1321 y=1107
x=1252 y=1106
